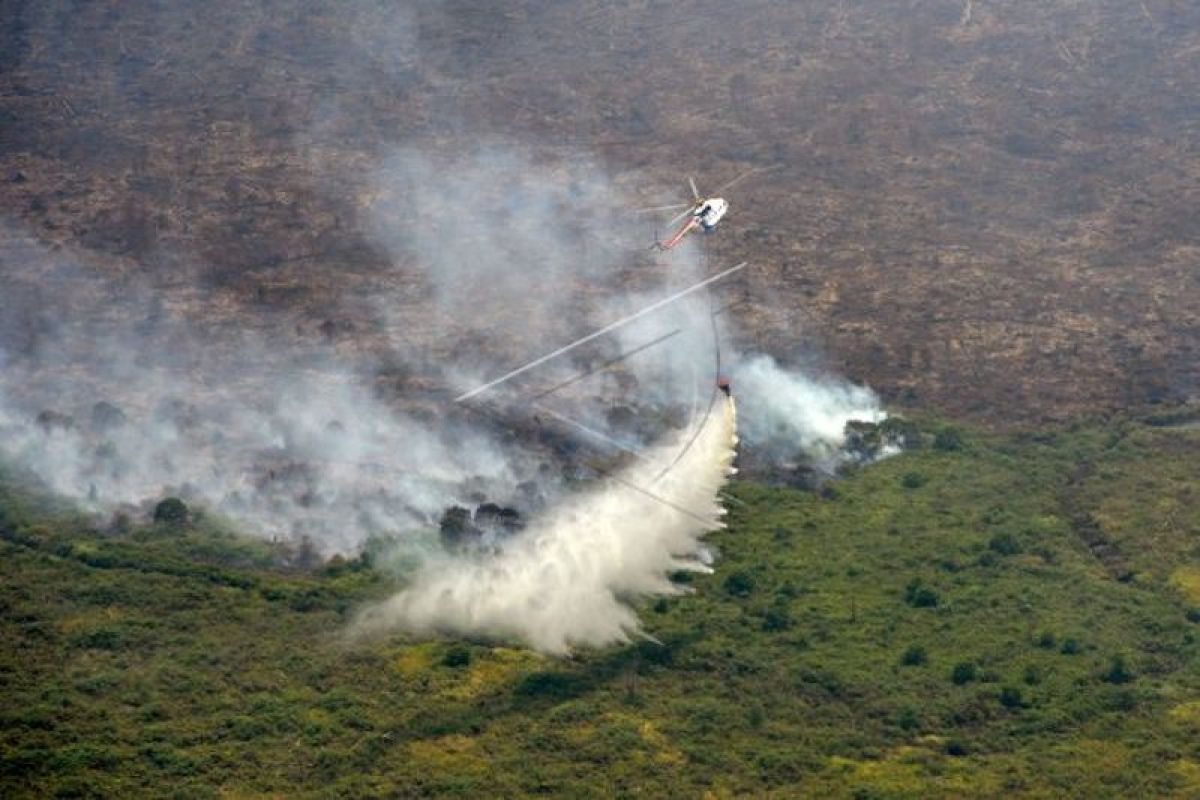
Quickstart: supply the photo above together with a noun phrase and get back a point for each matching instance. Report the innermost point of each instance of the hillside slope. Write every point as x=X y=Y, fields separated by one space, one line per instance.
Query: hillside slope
x=973 y=201
x=989 y=615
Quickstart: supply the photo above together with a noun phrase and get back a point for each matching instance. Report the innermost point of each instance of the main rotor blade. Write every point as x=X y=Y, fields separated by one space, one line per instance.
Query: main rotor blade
x=695 y=193
x=597 y=334
x=671 y=207
x=611 y=362
x=744 y=175
x=678 y=217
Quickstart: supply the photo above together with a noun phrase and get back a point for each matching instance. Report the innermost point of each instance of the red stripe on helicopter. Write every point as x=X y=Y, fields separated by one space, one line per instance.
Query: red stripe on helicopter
x=678 y=237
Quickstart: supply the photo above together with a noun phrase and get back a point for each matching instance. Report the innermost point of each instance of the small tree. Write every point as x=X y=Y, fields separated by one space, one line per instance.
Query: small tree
x=739 y=584
x=1117 y=672
x=307 y=556
x=1010 y=697
x=457 y=656
x=914 y=656
x=948 y=440
x=171 y=511
x=1005 y=544
x=777 y=618
x=918 y=595
x=956 y=748
x=964 y=672
x=456 y=528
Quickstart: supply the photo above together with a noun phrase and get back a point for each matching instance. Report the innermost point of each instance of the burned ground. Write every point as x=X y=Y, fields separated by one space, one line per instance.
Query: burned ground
x=983 y=209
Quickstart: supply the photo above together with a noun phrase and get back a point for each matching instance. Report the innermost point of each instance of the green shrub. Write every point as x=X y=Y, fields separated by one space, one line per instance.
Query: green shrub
x=948 y=440
x=84 y=756
x=171 y=511
x=457 y=656
x=914 y=656
x=739 y=584
x=553 y=685
x=245 y=728
x=1010 y=697
x=1117 y=671
x=912 y=480
x=1005 y=544
x=918 y=595
x=964 y=672
x=103 y=638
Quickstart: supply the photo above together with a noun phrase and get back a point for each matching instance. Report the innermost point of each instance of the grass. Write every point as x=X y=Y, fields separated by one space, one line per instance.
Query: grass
x=991 y=616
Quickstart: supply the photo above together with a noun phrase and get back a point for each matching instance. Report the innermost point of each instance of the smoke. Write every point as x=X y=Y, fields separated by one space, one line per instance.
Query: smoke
x=524 y=256
x=118 y=389
x=117 y=393
x=569 y=580
x=322 y=460
x=788 y=412
x=510 y=253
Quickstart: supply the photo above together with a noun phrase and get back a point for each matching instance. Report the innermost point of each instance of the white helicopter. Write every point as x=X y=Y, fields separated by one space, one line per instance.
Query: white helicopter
x=703 y=212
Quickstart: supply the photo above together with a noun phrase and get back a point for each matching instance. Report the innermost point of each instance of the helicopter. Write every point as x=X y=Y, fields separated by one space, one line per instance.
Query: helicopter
x=702 y=212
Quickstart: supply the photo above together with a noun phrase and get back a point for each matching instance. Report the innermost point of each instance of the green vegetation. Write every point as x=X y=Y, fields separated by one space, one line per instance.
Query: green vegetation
x=1021 y=620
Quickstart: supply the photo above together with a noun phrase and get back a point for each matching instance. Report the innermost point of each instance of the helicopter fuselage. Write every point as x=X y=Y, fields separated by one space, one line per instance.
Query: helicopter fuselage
x=709 y=213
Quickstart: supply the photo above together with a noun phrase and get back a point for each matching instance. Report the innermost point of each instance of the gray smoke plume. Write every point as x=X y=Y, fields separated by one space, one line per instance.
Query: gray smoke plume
x=117 y=390
x=115 y=394
x=787 y=411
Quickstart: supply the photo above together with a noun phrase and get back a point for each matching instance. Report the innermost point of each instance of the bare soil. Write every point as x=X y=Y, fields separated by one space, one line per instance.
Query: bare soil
x=985 y=209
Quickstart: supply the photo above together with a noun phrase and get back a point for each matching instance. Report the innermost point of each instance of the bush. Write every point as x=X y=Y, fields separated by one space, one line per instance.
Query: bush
x=245 y=728
x=912 y=480
x=171 y=511
x=1070 y=647
x=948 y=440
x=964 y=672
x=1010 y=697
x=918 y=595
x=777 y=618
x=554 y=685
x=914 y=656
x=1005 y=544
x=1117 y=672
x=739 y=584
x=84 y=756
x=457 y=656
x=106 y=638
x=1046 y=640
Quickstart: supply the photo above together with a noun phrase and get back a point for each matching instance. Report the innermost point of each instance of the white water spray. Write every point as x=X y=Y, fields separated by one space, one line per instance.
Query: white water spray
x=569 y=579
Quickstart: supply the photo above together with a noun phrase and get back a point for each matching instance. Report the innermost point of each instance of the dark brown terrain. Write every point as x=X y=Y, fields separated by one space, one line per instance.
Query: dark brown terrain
x=985 y=209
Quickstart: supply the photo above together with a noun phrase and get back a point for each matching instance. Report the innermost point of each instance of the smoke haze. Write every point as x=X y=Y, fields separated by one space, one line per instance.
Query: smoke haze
x=117 y=391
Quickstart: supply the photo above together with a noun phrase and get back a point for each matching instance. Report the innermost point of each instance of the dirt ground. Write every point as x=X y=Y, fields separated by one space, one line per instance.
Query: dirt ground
x=983 y=208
